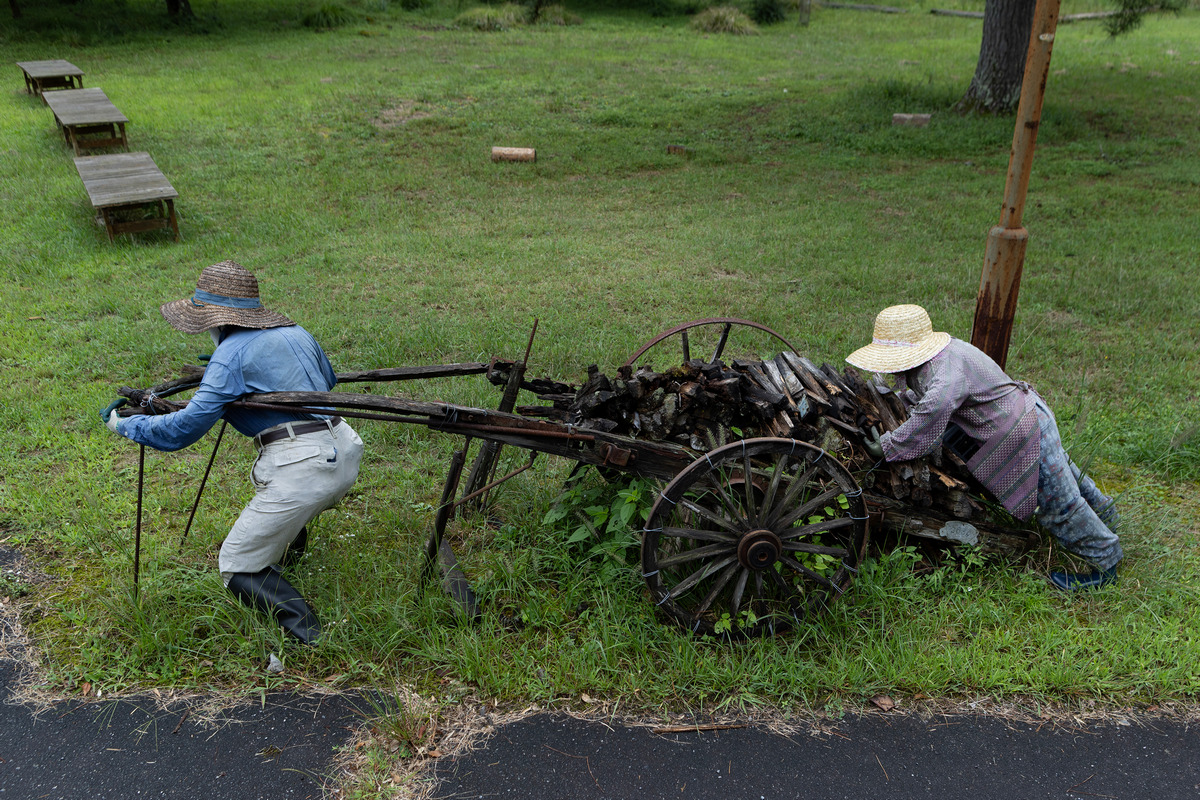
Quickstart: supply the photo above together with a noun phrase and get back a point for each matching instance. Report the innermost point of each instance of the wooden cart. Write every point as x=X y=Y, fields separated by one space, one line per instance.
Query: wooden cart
x=746 y=538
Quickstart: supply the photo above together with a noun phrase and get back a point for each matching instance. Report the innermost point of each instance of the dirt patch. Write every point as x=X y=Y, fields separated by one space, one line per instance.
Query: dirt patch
x=400 y=114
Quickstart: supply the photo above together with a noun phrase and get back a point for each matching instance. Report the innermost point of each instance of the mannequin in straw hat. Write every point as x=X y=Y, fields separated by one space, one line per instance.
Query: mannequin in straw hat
x=305 y=463
x=1013 y=444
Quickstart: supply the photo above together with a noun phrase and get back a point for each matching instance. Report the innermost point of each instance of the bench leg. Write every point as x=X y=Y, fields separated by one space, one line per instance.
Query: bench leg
x=174 y=223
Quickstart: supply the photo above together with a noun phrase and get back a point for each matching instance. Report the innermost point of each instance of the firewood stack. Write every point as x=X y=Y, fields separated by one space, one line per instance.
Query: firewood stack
x=705 y=405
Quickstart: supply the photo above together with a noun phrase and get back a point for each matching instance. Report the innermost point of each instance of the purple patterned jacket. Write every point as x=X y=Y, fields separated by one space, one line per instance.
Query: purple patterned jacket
x=963 y=385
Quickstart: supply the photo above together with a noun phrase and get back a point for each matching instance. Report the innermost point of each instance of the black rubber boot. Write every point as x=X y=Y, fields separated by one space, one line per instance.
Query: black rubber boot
x=295 y=550
x=267 y=591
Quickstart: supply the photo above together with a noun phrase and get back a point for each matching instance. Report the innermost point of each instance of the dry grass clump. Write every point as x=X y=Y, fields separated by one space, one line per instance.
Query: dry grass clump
x=493 y=18
x=724 y=19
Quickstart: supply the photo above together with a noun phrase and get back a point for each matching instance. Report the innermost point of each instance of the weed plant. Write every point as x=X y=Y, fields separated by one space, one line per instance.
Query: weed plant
x=768 y=12
x=327 y=16
x=349 y=169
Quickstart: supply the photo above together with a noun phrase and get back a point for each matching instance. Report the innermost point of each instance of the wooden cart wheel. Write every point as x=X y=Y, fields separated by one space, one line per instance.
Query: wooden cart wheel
x=754 y=537
x=706 y=339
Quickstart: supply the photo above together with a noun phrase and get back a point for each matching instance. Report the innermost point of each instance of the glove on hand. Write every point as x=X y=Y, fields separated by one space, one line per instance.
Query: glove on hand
x=871 y=443
x=109 y=414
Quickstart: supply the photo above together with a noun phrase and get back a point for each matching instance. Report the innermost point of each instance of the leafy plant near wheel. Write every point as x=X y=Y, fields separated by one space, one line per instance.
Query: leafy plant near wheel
x=603 y=520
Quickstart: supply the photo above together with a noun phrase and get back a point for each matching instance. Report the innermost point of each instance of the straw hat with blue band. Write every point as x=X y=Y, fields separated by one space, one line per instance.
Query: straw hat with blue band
x=904 y=338
x=226 y=294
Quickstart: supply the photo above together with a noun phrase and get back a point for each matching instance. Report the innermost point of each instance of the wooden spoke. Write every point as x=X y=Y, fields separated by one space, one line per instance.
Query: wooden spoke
x=721 y=342
x=735 y=602
x=736 y=511
x=818 y=527
x=718 y=587
x=812 y=505
x=694 y=554
x=748 y=487
x=804 y=547
x=815 y=577
x=698 y=535
x=773 y=486
x=681 y=588
x=789 y=498
x=720 y=522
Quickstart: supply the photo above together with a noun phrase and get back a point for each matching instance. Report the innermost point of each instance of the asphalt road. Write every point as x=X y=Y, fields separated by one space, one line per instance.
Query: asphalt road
x=118 y=750
x=873 y=756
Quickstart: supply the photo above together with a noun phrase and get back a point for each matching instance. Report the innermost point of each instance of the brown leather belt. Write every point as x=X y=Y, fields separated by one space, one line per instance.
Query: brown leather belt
x=297 y=429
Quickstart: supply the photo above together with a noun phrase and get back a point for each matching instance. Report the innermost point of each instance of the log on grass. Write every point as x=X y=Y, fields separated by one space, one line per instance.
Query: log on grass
x=514 y=154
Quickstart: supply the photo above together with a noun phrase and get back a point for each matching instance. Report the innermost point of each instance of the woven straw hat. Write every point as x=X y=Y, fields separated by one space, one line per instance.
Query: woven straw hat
x=226 y=294
x=904 y=338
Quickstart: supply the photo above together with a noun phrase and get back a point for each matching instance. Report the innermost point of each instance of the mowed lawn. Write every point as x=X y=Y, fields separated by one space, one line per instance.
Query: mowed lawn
x=350 y=170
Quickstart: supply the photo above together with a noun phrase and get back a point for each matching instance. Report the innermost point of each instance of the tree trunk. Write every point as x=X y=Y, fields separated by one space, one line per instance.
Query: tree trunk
x=180 y=9
x=996 y=87
x=16 y=10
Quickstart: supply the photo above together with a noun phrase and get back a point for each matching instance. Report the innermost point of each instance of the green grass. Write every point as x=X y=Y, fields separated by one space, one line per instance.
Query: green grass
x=349 y=169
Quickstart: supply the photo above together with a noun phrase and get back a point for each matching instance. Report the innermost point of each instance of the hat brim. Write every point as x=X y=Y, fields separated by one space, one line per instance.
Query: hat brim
x=188 y=316
x=896 y=358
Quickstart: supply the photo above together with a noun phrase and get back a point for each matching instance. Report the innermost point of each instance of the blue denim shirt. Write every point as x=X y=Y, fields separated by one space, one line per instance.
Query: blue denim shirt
x=245 y=362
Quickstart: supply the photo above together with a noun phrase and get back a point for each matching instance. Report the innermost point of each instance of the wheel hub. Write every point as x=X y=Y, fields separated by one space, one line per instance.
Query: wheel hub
x=759 y=549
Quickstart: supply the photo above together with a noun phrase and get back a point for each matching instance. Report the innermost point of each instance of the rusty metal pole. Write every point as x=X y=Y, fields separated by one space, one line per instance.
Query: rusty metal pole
x=996 y=304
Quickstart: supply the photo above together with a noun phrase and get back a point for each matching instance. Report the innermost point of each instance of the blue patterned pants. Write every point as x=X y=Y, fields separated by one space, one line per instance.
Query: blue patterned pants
x=1070 y=506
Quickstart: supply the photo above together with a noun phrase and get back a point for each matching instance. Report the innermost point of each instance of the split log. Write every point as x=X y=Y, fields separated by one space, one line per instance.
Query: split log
x=514 y=154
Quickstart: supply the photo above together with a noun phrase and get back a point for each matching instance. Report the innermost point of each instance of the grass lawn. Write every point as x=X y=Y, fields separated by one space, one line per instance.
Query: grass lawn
x=350 y=170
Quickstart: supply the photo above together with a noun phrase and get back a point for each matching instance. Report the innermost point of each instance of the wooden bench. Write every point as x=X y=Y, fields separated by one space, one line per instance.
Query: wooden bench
x=129 y=191
x=57 y=74
x=88 y=113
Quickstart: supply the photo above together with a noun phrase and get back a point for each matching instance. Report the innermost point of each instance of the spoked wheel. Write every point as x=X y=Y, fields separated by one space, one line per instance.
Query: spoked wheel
x=708 y=340
x=754 y=538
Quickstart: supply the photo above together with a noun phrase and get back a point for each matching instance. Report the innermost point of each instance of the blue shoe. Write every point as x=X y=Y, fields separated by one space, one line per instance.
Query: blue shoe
x=1075 y=581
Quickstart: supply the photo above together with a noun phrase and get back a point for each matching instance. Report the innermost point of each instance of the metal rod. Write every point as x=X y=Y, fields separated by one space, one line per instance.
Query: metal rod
x=457 y=427
x=721 y=342
x=434 y=543
x=203 y=481
x=435 y=424
x=137 y=535
x=529 y=344
x=498 y=481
